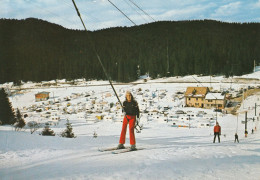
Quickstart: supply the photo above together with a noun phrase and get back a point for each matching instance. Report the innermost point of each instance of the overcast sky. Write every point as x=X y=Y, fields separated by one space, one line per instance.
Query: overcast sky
x=99 y=14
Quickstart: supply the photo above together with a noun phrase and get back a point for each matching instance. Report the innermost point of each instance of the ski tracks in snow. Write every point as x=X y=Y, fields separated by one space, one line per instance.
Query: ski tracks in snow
x=20 y=161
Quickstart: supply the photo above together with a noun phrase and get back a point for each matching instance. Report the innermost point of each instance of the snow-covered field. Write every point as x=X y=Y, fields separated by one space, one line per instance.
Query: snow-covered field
x=169 y=152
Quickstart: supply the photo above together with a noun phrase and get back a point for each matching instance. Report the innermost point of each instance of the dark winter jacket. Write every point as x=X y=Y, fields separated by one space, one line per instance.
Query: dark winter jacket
x=131 y=108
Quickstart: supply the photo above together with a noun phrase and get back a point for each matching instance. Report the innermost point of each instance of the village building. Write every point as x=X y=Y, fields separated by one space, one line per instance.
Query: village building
x=42 y=96
x=195 y=96
x=215 y=100
x=108 y=95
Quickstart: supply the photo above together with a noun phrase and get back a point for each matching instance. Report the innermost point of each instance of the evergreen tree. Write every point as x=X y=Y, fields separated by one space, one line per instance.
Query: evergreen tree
x=20 y=123
x=47 y=131
x=68 y=132
x=7 y=115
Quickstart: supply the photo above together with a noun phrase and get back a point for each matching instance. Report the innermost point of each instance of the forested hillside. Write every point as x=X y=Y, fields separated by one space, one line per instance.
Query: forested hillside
x=37 y=50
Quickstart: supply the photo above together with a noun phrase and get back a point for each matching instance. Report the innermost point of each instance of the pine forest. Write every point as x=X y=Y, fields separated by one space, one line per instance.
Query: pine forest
x=36 y=50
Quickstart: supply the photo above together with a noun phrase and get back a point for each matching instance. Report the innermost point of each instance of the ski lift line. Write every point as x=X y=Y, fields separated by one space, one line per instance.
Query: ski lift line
x=94 y=19
x=100 y=62
x=136 y=11
x=142 y=10
x=104 y=70
x=79 y=15
x=121 y=12
x=74 y=22
x=237 y=124
x=122 y=33
x=203 y=86
x=211 y=94
x=98 y=20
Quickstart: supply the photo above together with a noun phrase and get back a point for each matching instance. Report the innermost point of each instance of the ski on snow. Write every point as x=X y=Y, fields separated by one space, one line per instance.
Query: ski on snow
x=126 y=150
x=108 y=149
x=118 y=151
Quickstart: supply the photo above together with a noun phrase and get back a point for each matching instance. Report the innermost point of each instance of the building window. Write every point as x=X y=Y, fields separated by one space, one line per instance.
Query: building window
x=189 y=99
x=197 y=99
x=210 y=101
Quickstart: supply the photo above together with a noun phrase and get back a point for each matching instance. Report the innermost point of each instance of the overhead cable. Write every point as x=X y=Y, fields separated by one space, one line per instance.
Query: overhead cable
x=136 y=11
x=121 y=12
x=99 y=60
x=142 y=10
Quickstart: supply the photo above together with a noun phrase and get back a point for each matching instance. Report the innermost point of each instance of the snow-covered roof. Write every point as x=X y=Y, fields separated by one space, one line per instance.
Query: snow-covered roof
x=214 y=96
x=196 y=91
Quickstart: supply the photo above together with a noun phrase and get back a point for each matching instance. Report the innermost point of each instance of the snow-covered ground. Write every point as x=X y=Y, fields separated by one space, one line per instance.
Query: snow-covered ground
x=169 y=152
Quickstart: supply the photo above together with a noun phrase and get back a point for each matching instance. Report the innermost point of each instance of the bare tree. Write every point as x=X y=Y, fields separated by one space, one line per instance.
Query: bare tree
x=33 y=125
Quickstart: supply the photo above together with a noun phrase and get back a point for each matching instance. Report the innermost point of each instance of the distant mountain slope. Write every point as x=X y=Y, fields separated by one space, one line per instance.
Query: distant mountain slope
x=37 y=50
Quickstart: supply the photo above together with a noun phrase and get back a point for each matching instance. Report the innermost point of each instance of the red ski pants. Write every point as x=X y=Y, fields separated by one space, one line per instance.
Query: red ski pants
x=131 y=120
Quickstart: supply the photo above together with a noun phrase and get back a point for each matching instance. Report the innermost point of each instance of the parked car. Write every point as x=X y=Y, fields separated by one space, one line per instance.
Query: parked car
x=179 y=112
x=217 y=110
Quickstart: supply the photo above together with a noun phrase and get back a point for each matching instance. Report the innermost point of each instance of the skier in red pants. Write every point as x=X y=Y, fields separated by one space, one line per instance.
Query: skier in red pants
x=130 y=106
